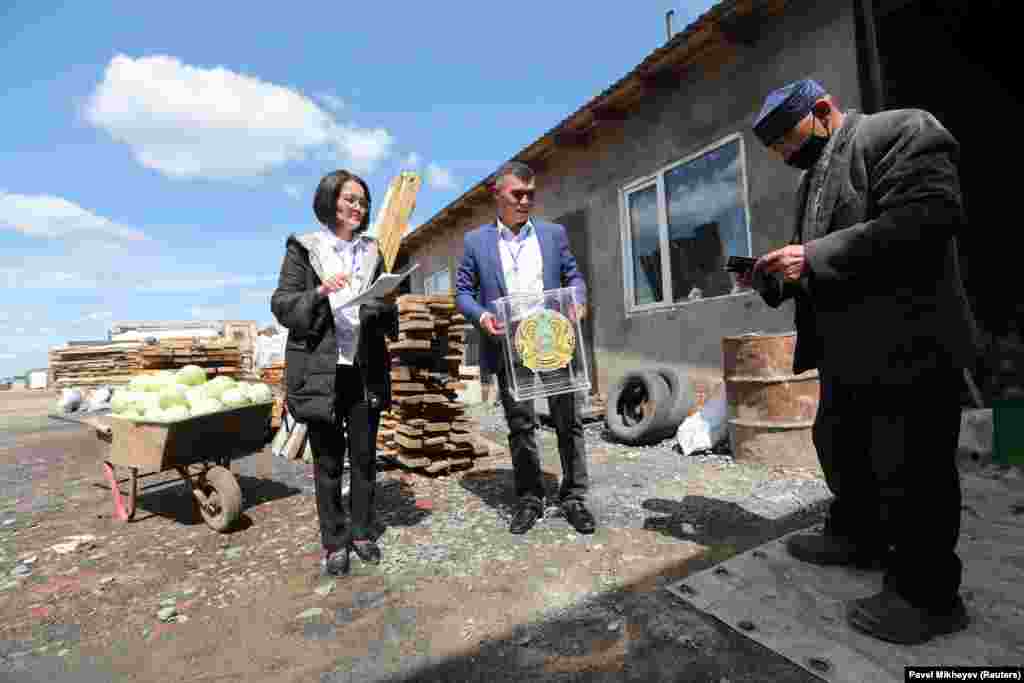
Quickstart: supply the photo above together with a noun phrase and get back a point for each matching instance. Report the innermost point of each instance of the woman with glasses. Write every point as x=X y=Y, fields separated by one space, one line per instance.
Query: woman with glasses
x=338 y=367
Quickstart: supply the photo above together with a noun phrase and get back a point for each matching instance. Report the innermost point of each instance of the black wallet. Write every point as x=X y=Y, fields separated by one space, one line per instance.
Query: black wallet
x=740 y=264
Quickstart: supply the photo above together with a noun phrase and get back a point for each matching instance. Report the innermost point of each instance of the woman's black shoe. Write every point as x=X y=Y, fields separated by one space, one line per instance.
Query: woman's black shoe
x=336 y=563
x=368 y=551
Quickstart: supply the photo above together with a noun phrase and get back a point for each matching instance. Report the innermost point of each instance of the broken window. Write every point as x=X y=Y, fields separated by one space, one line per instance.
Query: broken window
x=682 y=226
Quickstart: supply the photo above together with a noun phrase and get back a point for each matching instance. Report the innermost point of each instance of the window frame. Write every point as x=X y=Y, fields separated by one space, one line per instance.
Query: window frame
x=430 y=279
x=657 y=180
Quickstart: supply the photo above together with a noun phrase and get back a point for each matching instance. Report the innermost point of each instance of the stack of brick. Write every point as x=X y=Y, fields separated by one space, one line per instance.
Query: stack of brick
x=427 y=429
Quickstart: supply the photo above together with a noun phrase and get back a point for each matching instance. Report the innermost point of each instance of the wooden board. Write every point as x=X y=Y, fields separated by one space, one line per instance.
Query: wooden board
x=427 y=298
x=415 y=324
x=798 y=610
x=409 y=345
x=393 y=218
x=408 y=442
x=409 y=431
x=408 y=387
x=436 y=466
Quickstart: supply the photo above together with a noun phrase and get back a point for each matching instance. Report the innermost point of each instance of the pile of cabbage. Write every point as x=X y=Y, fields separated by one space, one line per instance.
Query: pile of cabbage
x=169 y=396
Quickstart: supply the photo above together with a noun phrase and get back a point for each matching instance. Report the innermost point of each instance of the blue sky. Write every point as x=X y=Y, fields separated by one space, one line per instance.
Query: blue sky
x=157 y=155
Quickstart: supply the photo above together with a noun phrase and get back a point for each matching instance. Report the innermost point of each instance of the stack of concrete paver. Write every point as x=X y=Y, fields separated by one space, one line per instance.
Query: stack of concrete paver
x=427 y=429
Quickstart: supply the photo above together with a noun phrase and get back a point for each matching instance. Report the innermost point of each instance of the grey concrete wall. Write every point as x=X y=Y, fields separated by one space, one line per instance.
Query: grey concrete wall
x=812 y=39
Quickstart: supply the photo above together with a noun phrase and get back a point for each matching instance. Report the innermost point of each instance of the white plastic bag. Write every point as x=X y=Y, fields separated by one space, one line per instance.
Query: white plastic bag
x=284 y=432
x=706 y=428
x=693 y=434
x=99 y=399
x=69 y=401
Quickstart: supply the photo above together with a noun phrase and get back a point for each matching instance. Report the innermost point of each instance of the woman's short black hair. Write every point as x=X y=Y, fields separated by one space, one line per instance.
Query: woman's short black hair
x=325 y=201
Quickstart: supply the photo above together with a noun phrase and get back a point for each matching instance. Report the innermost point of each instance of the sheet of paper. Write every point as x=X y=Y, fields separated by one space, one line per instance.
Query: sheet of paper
x=384 y=285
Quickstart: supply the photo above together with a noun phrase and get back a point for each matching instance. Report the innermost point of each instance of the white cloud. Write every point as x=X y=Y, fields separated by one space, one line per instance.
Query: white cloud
x=411 y=161
x=56 y=217
x=331 y=101
x=189 y=122
x=48 y=331
x=8 y=356
x=4 y=315
x=19 y=330
x=293 y=191
x=196 y=284
x=440 y=178
x=208 y=313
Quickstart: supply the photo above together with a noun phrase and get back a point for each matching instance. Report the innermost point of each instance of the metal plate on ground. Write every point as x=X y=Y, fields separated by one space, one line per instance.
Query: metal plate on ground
x=797 y=609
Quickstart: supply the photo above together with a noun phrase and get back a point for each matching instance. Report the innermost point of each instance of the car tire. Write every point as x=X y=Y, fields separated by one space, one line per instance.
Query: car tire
x=638 y=406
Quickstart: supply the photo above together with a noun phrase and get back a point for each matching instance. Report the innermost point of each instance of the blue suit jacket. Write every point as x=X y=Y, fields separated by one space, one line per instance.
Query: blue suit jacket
x=480 y=278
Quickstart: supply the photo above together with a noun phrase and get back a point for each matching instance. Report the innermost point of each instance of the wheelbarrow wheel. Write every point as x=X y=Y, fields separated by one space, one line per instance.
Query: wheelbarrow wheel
x=223 y=499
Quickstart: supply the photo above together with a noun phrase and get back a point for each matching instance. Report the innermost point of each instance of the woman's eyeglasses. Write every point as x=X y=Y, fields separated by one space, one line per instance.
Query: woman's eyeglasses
x=356 y=201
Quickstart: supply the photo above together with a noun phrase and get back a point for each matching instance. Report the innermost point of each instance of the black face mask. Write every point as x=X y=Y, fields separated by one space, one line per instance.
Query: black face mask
x=809 y=152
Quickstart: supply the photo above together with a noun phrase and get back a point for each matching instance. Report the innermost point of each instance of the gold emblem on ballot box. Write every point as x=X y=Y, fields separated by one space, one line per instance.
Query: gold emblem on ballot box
x=545 y=341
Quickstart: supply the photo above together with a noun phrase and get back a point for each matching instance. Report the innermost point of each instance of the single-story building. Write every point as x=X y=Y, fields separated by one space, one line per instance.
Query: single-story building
x=659 y=178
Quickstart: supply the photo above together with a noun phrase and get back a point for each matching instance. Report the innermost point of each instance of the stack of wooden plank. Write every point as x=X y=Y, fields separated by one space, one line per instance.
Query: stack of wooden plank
x=218 y=356
x=427 y=429
x=93 y=365
x=273 y=375
x=115 y=363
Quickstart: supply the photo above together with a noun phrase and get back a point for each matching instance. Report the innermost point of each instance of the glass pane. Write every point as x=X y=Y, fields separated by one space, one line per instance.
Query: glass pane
x=644 y=238
x=707 y=222
x=443 y=282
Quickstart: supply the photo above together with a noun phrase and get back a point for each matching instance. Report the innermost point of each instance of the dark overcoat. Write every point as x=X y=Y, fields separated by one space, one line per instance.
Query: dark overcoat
x=883 y=298
x=311 y=352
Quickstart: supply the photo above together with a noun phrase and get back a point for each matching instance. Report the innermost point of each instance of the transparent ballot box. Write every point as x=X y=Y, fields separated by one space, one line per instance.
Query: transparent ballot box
x=543 y=344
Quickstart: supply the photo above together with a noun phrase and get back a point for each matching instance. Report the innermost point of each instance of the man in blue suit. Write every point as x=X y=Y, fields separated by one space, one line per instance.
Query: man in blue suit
x=518 y=255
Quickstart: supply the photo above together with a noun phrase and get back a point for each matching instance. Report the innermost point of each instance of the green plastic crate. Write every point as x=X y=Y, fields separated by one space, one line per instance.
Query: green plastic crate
x=1008 y=431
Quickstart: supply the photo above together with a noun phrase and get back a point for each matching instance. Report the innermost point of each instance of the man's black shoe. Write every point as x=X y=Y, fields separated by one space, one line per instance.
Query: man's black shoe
x=526 y=516
x=890 y=617
x=579 y=516
x=830 y=549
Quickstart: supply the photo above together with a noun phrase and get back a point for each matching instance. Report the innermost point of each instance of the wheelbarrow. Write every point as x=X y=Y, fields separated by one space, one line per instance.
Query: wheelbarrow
x=199 y=448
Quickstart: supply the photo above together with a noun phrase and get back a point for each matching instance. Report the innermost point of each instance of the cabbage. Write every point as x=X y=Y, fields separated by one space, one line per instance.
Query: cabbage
x=175 y=413
x=234 y=398
x=131 y=414
x=259 y=393
x=195 y=394
x=124 y=400
x=172 y=396
x=218 y=385
x=148 y=404
x=152 y=383
x=154 y=414
x=205 y=406
x=192 y=375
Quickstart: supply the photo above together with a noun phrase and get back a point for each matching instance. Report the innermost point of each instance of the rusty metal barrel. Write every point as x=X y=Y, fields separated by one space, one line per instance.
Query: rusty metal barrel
x=770 y=410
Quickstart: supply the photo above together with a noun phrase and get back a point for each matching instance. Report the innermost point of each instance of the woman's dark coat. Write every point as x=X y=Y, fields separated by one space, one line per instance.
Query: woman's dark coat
x=311 y=353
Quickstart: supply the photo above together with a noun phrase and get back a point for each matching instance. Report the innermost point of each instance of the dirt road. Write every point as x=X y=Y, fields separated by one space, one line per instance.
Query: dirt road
x=84 y=597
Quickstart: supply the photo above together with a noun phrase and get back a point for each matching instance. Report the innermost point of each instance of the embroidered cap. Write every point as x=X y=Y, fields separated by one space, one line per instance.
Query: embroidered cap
x=783 y=109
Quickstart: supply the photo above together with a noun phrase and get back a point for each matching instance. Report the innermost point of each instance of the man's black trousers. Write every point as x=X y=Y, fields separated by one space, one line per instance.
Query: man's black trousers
x=889 y=456
x=522 y=442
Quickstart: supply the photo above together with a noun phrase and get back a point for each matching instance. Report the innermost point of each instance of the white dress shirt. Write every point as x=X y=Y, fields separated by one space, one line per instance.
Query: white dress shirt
x=522 y=265
x=344 y=256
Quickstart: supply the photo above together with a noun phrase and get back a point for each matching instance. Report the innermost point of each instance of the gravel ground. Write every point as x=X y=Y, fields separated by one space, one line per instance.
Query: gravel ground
x=543 y=606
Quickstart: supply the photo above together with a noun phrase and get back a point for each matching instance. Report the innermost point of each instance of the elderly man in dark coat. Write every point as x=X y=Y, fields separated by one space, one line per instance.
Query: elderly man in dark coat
x=882 y=314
